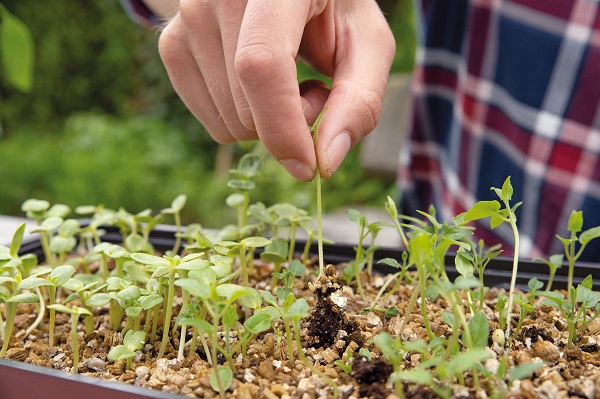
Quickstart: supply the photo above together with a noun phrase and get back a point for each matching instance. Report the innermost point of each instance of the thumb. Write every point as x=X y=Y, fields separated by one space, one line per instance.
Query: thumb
x=359 y=80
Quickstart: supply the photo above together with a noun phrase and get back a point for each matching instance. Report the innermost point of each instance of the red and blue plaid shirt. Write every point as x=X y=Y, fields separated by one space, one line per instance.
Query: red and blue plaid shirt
x=508 y=88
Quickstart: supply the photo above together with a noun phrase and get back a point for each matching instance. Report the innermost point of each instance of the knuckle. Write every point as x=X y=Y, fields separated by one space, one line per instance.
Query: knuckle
x=371 y=104
x=254 y=61
x=192 y=10
x=170 y=44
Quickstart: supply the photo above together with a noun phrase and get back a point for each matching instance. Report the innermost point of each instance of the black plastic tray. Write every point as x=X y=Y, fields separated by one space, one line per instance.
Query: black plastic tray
x=25 y=381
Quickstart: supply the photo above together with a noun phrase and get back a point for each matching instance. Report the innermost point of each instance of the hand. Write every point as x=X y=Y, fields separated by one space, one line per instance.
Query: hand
x=233 y=63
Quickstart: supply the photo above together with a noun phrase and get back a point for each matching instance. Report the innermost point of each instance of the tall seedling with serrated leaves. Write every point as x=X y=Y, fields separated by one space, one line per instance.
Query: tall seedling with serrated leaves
x=498 y=215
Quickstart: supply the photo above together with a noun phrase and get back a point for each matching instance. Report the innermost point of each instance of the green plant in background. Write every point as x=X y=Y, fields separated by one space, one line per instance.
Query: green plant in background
x=16 y=51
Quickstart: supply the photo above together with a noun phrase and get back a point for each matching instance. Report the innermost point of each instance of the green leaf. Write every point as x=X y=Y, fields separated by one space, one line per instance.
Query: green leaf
x=130 y=293
x=390 y=262
x=242 y=185
x=97 y=300
x=120 y=352
x=587 y=297
x=463 y=265
x=589 y=235
x=194 y=264
x=16 y=51
x=150 y=260
x=134 y=311
x=29 y=283
x=17 y=239
x=357 y=217
x=134 y=340
x=422 y=377
x=391 y=208
x=575 y=221
x=249 y=165
x=507 y=190
x=466 y=360
x=24 y=298
x=151 y=301
x=258 y=322
x=225 y=375
x=194 y=287
x=255 y=242
x=298 y=309
x=296 y=268
x=61 y=274
x=201 y=325
x=524 y=370
x=479 y=329
x=481 y=210
x=62 y=308
x=178 y=203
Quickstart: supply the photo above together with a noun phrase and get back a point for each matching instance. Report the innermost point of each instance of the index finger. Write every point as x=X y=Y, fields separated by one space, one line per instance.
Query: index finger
x=265 y=64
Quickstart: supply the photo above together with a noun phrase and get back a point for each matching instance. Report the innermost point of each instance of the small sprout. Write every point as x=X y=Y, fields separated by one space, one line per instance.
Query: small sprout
x=132 y=342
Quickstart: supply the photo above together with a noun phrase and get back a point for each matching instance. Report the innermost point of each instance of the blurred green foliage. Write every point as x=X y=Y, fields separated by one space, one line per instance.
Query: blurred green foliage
x=103 y=125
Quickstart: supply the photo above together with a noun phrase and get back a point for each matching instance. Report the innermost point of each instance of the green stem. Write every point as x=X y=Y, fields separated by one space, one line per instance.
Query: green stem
x=571 y=256
x=41 y=312
x=168 y=313
x=320 y=224
x=52 y=301
x=74 y=343
x=513 y=279
x=359 y=250
x=177 y=233
x=292 y=248
x=11 y=310
x=244 y=264
x=290 y=340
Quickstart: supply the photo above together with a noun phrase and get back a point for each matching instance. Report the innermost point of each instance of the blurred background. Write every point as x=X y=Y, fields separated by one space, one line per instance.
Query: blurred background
x=88 y=116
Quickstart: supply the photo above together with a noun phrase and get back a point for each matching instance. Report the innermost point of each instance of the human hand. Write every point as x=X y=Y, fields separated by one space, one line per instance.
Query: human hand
x=233 y=63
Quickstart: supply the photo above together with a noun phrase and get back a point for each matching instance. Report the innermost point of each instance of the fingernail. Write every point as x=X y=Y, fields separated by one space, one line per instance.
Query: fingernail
x=297 y=169
x=337 y=151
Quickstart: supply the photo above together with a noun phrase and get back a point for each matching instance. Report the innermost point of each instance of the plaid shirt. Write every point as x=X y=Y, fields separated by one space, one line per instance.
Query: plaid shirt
x=508 y=88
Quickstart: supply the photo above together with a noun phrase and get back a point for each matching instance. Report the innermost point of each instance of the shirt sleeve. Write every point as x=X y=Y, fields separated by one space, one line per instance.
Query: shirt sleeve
x=139 y=12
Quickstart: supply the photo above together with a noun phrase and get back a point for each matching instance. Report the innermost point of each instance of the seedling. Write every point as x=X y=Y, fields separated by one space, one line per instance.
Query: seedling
x=248 y=168
x=175 y=210
x=9 y=293
x=492 y=209
x=314 y=129
x=75 y=313
x=554 y=263
x=56 y=278
x=240 y=249
x=581 y=240
x=574 y=307
x=165 y=266
x=132 y=342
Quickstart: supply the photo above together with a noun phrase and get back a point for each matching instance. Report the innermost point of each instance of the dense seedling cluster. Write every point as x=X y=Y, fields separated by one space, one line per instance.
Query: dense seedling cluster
x=204 y=290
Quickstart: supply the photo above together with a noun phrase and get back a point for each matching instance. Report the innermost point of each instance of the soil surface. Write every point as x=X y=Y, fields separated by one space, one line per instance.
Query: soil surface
x=336 y=329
